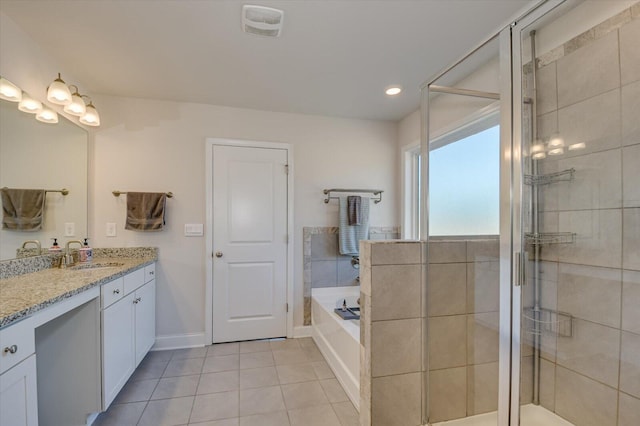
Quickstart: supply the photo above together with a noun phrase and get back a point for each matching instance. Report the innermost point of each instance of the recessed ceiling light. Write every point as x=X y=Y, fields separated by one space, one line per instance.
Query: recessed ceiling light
x=393 y=90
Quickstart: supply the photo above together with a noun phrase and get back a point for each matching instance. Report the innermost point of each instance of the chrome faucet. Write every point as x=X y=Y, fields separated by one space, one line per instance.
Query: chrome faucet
x=36 y=242
x=69 y=257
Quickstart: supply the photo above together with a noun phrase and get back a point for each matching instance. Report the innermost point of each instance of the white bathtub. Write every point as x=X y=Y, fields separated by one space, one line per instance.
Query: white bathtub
x=338 y=339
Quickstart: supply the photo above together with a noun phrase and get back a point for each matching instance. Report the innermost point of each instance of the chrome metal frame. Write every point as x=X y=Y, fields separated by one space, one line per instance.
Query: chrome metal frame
x=512 y=283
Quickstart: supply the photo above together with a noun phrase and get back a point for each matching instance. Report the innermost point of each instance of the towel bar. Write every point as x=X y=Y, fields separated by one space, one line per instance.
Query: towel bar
x=377 y=192
x=63 y=191
x=118 y=193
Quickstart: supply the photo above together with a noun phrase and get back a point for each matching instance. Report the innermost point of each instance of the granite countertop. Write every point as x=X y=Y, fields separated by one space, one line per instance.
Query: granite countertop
x=23 y=295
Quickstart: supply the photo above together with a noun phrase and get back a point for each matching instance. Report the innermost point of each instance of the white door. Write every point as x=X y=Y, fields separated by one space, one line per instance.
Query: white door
x=249 y=242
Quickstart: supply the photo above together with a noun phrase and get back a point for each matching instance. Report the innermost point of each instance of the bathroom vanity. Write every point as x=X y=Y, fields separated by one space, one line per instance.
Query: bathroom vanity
x=71 y=338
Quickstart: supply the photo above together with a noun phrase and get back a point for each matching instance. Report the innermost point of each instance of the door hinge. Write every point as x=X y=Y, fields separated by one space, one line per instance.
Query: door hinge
x=287 y=307
x=286 y=168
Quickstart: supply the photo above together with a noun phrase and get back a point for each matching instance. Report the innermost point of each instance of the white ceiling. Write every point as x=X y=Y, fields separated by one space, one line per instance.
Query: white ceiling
x=335 y=57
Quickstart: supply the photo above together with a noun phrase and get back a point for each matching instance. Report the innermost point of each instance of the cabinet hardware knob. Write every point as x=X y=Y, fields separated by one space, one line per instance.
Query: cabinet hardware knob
x=136 y=300
x=116 y=291
x=11 y=349
x=151 y=272
x=218 y=254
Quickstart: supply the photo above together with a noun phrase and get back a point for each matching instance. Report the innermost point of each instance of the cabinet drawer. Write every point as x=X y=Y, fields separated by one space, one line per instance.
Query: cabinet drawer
x=133 y=280
x=149 y=272
x=17 y=342
x=112 y=292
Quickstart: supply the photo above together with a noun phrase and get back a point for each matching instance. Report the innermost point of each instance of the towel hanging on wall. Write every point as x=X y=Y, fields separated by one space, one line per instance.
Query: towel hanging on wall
x=22 y=209
x=146 y=211
x=349 y=236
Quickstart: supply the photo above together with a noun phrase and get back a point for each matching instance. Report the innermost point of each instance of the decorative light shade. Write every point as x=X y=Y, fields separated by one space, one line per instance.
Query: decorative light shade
x=47 y=115
x=556 y=142
x=556 y=151
x=539 y=155
x=58 y=92
x=30 y=105
x=77 y=106
x=91 y=117
x=9 y=91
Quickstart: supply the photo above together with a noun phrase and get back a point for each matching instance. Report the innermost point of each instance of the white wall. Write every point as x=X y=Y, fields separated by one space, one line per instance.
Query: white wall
x=159 y=146
x=146 y=145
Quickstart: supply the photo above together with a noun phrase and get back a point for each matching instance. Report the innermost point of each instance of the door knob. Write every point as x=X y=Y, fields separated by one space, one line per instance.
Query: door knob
x=218 y=254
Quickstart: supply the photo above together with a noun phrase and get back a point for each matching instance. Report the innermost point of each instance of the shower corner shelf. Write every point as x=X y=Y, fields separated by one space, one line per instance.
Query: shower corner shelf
x=547 y=321
x=563 y=176
x=543 y=238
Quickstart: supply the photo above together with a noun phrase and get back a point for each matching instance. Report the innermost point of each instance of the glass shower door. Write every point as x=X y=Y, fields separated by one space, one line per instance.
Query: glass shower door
x=577 y=357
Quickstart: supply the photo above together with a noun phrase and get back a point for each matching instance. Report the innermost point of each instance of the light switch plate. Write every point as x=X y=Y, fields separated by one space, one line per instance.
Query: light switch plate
x=111 y=229
x=69 y=229
x=193 y=229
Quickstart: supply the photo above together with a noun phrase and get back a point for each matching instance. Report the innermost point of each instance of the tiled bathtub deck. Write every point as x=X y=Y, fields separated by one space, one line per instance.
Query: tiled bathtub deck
x=261 y=383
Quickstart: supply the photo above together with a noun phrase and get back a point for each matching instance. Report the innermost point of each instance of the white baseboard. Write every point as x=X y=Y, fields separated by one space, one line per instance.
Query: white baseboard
x=179 y=341
x=302 y=331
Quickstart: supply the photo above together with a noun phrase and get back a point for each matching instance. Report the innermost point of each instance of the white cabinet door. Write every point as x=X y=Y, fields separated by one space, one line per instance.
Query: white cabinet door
x=18 y=395
x=145 y=303
x=118 y=350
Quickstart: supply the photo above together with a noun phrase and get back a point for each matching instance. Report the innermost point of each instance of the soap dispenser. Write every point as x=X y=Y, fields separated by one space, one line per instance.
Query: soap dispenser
x=55 y=248
x=85 y=253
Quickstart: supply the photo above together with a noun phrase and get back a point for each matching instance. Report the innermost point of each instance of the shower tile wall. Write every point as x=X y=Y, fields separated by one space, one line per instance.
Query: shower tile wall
x=323 y=264
x=463 y=296
x=589 y=92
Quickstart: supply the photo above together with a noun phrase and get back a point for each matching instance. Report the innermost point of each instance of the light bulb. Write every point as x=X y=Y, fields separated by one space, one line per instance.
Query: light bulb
x=91 y=117
x=9 y=91
x=393 y=90
x=30 y=105
x=58 y=92
x=47 y=115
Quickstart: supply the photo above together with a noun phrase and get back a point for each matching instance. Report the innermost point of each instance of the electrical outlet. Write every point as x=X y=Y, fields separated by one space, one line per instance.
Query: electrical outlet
x=69 y=229
x=111 y=229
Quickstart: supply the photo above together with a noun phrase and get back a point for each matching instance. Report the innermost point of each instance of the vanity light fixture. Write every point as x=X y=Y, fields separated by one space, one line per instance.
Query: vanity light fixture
x=77 y=106
x=30 y=105
x=91 y=117
x=393 y=90
x=556 y=151
x=9 y=91
x=47 y=115
x=58 y=92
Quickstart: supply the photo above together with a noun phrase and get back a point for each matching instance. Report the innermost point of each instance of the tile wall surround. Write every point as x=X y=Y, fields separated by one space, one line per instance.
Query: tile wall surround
x=589 y=91
x=463 y=319
x=391 y=333
x=323 y=264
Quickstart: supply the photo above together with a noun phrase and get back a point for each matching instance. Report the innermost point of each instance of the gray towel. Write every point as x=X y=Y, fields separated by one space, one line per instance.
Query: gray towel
x=354 y=209
x=349 y=236
x=145 y=211
x=22 y=209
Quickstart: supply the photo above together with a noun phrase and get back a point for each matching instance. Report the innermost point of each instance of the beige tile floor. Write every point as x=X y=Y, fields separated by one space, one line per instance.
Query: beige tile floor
x=258 y=383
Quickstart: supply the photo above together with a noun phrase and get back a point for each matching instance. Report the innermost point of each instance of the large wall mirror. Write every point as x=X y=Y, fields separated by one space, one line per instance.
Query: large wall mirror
x=36 y=155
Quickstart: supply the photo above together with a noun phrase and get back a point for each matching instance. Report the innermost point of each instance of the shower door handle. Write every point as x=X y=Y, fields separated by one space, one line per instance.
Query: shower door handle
x=519 y=266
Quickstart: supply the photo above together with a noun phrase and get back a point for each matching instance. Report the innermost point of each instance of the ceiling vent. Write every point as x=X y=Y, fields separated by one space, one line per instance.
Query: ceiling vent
x=261 y=20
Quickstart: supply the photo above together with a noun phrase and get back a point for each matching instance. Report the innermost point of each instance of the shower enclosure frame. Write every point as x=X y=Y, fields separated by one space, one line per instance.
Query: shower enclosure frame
x=512 y=215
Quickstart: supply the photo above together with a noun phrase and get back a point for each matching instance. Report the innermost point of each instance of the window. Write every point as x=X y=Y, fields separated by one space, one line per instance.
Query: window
x=464 y=178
